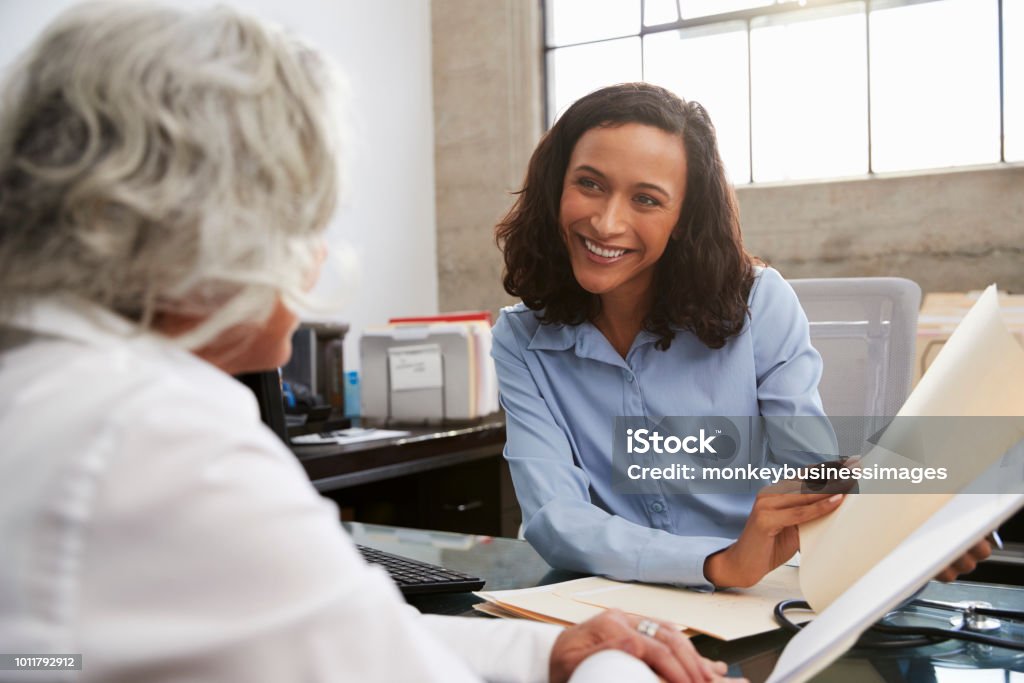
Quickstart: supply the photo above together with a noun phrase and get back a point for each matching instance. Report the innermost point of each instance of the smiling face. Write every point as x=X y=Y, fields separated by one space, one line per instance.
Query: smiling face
x=621 y=198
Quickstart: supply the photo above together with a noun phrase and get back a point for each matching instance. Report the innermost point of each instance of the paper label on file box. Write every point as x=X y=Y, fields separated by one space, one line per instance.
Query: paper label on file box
x=415 y=367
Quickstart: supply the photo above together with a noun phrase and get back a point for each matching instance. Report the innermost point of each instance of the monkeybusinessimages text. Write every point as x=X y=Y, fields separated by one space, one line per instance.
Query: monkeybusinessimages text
x=643 y=441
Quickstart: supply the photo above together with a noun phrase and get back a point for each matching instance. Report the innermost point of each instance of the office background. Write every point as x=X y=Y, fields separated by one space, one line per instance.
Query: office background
x=447 y=100
x=949 y=230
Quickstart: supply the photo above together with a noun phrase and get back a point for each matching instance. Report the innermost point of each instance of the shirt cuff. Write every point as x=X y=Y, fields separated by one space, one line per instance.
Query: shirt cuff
x=612 y=666
x=679 y=560
x=498 y=649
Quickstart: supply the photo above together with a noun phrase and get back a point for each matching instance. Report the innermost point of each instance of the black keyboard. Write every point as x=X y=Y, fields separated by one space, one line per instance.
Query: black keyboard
x=416 y=578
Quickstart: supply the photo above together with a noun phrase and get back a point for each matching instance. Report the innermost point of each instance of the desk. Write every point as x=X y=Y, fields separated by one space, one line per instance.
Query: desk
x=507 y=563
x=451 y=478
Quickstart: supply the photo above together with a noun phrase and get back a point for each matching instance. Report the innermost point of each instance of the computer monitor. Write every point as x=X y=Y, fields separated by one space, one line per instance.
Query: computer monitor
x=266 y=386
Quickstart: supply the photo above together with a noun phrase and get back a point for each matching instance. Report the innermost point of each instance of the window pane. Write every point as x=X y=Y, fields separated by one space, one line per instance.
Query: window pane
x=704 y=8
x=575 y=71
x=1013 y=78
x=934 y=85
x=711 y=68
x=578 y=21
x=809 y=94
x=660 y=12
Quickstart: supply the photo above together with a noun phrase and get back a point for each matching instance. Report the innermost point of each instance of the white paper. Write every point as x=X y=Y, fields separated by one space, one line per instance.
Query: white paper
x=725 y=614
x=543 y=602
x=877 y=550
x=979 y=372
x=344 y=437
x=941 y=539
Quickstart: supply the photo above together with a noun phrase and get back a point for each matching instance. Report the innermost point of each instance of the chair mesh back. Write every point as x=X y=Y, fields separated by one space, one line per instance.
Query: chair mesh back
x=864 y=329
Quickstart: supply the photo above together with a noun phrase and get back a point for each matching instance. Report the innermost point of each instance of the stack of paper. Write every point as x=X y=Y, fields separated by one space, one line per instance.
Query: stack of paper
x=726 y=615
x=543 y=603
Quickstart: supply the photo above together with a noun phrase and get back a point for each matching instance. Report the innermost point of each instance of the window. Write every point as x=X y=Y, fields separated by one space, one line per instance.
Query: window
x=1013 y=79
x=575 y=71
x=936 y=103
x=808 y=105
x=806 y=89
x=723 y=91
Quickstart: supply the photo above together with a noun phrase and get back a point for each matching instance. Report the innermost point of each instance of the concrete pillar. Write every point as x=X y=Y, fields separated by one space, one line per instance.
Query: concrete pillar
x=487 y=58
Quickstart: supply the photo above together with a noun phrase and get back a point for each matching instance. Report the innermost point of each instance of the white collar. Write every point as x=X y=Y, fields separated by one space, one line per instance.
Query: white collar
x=74 y=318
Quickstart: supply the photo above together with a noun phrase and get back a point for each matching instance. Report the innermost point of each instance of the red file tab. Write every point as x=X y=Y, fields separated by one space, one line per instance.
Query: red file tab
x=461 y=317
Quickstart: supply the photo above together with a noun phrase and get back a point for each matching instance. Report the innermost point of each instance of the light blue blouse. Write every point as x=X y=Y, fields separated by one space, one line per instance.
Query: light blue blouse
x=562 y=387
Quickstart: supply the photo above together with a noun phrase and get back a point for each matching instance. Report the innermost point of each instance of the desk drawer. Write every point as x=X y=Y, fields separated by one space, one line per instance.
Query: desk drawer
x=464 y=498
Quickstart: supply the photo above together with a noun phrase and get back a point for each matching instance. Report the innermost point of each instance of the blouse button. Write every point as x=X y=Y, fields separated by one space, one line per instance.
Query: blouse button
x=658 y=506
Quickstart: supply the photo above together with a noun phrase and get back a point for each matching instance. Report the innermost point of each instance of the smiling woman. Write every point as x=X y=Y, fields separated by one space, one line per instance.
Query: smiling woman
x=639 y=300
x=643 y=135
x=620 y=205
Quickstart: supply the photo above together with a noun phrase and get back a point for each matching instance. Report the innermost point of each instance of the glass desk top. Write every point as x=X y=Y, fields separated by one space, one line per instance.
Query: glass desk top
x=507 y=563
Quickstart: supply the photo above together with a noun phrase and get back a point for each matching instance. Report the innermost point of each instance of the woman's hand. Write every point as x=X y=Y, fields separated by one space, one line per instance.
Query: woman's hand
x=967 y=562
x=769 y=537
x=670 y=654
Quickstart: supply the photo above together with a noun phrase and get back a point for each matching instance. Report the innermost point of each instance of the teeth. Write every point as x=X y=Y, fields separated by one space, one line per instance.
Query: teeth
x=607 y=253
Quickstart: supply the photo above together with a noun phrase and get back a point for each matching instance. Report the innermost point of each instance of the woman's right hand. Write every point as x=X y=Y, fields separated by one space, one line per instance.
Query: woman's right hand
x=769 y=537
x=667 y=652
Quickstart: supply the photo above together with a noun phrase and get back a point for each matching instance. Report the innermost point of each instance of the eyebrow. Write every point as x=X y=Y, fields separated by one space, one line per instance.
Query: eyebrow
x=647 y=186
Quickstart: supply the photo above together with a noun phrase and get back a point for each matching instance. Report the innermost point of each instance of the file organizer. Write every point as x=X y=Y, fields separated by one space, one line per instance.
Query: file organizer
x=428 y=372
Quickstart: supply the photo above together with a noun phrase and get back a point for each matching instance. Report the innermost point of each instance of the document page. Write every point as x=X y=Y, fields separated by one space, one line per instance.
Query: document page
x=978 y=373
x=726 y=614
x=543 y=601
x=946 y=535
x=558 y=602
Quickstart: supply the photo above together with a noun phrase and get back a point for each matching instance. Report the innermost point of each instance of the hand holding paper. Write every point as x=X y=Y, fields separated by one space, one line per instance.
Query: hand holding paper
x=769 y=537
x=978 y=373
x=901 y=541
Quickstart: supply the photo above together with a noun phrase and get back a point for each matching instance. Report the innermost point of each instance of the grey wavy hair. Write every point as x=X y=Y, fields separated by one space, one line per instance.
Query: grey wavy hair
x=159 y=161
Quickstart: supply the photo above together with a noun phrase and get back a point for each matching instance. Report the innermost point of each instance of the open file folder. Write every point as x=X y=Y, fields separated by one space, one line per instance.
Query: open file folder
x=944 y=537
x=726 y=615
x=876 y=550
x=428 y=372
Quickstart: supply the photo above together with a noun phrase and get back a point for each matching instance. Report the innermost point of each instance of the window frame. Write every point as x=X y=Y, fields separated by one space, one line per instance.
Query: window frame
x=748 y=16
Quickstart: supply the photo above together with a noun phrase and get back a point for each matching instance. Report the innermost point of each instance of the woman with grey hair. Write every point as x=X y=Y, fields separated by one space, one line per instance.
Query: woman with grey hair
x=165 y=178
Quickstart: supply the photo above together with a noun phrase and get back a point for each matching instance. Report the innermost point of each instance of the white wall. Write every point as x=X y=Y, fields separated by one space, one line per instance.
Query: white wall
x=387 y=210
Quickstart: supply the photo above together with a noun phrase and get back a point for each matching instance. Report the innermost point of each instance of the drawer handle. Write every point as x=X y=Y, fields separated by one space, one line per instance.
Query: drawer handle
x=463 y=507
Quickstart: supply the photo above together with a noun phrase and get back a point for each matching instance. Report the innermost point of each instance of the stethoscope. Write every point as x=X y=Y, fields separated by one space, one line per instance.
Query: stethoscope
x=974 y=622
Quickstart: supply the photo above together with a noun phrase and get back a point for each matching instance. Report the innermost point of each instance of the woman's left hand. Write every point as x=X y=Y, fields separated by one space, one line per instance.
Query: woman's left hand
x=967 y=562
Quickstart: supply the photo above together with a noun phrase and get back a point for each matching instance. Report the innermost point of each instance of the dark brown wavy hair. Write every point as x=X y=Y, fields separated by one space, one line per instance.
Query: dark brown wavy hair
x=701 y=282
